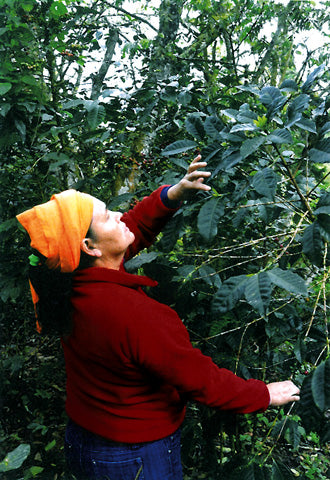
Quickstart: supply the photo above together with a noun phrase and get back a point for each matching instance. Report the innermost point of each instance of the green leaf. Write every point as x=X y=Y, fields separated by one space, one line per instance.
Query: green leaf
x=15 y=458
x=171 y=233
x=140 y=260
x=243 y=127
x=258 y=291
x=251 y=145
x=321 y=152
x=179 y=146
x=212 y=126
x=4 y=109
x=307 y=125
x=194 y=126
x=311 y=416
x=184 y=98
x=288 y=280
x=312 y=243
x=95 y=115
x=229 y=293
x=324 y=222
x=321 y=386
x=281 y=135
x=181 y=163
x=230 y=113
x=293 y=433
x=209 y=276
x=298 y=104
x=210 y=151
x=325 y=129
x=252 y=471
x=28 y=6
x=273 y=99
x=8 y=225
x=289 y=86
x=265 y=183
x=324 y=200
x=35 y=470
x=208 y=218
x=281 y=472
x=186 y=271
x=312 y=77
x=58 y=9
x=230 y=158
x=21 y=127
x=246 y=115
x=300 y=349
x=50 y=445
x=5 y=87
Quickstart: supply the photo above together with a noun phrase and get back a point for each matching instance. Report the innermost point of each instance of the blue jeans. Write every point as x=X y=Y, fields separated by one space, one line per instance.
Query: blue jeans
x=91 y=457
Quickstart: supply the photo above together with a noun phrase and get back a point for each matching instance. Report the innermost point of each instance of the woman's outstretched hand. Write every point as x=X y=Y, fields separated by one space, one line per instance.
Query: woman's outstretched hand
x=283 y=392
x=193 y=180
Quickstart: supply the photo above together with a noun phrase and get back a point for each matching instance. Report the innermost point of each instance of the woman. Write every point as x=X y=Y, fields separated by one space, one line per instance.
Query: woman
x=130 y=365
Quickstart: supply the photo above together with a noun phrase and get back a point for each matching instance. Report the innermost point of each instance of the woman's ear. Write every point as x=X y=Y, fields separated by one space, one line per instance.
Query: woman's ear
x=88 y=247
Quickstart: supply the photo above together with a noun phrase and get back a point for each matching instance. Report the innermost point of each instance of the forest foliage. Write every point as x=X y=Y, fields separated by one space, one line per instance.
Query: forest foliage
x=115 y=99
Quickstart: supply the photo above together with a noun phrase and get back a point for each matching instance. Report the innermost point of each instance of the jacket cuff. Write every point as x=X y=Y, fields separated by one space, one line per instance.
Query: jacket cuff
x=173 y=204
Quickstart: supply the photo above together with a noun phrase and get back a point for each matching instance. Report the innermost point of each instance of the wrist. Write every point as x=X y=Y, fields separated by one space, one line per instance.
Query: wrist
x=169 y=200
x=174 y=193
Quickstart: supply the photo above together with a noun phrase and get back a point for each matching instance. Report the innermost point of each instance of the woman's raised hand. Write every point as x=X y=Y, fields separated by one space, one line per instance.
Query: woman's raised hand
x=192 y=181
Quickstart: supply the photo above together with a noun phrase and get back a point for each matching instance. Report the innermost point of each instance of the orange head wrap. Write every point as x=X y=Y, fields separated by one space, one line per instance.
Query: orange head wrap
x=56 y=229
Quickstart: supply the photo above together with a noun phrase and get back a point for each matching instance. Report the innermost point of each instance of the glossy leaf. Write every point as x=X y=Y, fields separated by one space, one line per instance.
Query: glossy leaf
x=273 y=99
x=208 y=218
x=179 y=146
x=194 y=126
x=289 y=86
x=230 y=158
x=140 y=260
x=258 y=291
x=95 y=115
x=209 y=276
x=252 y=471
x=312 y=77
x=171 y=233
x=211 y=151
x=213 y=125
x=251 y=145
x=321 y=385
x=324 y=201
x=288 y=280
x=15 y=459
x=307 y=124
x=281 y=135
x=324 y=222
x=243 y=127
x=281 y=472
x=265 y=183
x=5 y=87
x=311 y=415
x=312 y=243
x=321 y=152
x=229 y=293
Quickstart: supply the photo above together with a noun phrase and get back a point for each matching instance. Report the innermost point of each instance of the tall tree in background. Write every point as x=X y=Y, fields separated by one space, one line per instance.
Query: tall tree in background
x=111 y=98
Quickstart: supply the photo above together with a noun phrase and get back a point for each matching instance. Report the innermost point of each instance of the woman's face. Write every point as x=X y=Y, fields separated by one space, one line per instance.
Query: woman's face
x=111 y=236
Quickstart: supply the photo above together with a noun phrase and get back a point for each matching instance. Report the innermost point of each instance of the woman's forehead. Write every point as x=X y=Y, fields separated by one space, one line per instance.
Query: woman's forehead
x=99 y=207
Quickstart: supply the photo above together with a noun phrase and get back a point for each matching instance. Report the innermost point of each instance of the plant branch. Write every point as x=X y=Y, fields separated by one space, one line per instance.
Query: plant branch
x=294 y=183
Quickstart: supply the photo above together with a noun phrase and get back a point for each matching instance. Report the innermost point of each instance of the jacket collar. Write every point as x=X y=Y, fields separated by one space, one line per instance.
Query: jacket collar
x=107 y=275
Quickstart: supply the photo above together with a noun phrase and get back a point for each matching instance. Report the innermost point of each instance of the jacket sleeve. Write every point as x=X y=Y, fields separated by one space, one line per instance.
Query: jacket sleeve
x=146 y=220
x=161 y=345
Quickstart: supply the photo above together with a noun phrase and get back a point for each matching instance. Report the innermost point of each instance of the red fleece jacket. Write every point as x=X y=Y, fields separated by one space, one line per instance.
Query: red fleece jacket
x=130 y=364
